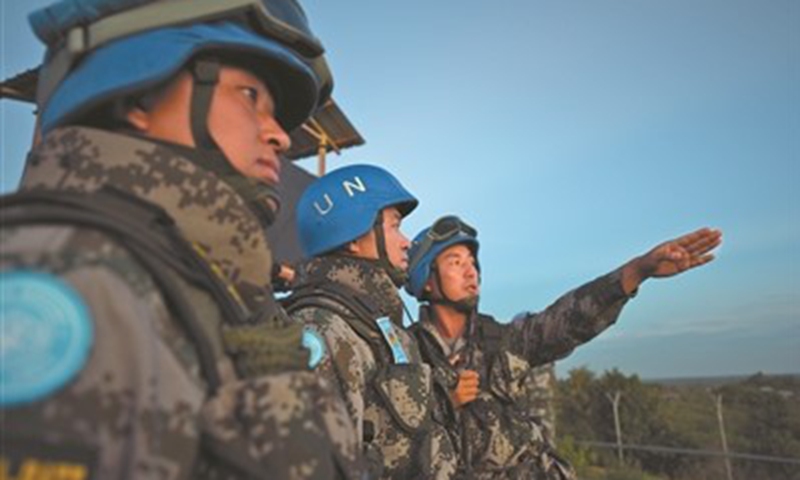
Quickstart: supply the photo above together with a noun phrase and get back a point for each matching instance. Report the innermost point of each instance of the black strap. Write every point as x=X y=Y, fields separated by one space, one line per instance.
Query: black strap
x=432 y=353
x=206 y=75
x=490 y=336
x=359 y=312
x=397 y=275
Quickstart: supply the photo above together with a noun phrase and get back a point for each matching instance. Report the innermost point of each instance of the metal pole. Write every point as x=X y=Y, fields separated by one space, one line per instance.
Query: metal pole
x=615 y=404
x=728 y=468
x=321 y=151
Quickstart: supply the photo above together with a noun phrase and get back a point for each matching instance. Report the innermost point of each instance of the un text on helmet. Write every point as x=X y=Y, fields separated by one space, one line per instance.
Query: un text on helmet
x=350 y=187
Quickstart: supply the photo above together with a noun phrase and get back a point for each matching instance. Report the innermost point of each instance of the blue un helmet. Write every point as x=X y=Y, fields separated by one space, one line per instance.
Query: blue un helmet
x=345 y=204
x=104 y=50
x=429 y=243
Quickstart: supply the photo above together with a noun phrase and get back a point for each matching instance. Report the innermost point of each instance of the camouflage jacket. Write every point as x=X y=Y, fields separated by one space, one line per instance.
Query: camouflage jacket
x=377 y=366
x=501 y=434
x=137 y=406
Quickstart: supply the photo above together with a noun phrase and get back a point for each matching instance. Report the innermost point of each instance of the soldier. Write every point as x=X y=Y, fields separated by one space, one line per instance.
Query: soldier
x=140 y=335
x=486 y=366
x=349 y=221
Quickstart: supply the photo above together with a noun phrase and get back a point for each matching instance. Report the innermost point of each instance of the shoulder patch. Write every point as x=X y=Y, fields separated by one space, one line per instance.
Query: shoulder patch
x=315 y=346
x=390 y=335
x=47 y=335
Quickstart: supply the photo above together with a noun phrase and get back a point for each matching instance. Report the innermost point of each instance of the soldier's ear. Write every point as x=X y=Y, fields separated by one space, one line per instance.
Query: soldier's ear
x=353 y=247
x=138 y=118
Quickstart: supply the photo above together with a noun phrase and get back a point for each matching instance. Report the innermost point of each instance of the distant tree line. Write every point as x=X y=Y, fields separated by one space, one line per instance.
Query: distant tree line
x=761 y=416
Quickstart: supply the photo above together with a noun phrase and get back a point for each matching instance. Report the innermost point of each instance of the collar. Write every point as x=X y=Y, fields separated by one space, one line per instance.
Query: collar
x=362 y=276
x=450 y=347
x=210 y=212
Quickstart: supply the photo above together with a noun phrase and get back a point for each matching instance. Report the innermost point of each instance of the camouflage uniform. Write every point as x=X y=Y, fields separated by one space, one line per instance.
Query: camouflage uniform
x=390 y=401
x=499 y=435
x=140 y=407
x=541 y=384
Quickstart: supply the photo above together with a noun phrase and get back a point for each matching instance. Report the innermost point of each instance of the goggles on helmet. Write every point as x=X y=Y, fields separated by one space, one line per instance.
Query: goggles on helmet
x=84 y=38
x=442 y=229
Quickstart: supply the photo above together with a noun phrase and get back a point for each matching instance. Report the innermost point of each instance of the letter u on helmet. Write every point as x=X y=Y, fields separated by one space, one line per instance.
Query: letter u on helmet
x=343 y=205
x=429 y=243
x=102 y=50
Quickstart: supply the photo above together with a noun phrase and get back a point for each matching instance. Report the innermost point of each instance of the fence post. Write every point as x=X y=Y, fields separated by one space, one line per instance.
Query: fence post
x=728 y=468
x=615 y=405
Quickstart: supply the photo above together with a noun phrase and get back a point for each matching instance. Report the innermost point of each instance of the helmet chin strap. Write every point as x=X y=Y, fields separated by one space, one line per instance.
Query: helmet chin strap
x=466 y=305
x=263 y=198
x=205 y=72
x=397 y=275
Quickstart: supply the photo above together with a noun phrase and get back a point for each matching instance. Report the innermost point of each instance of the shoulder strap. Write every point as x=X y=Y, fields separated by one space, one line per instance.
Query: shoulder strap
x=358 y=311
x=490 y=335
x=444 y=373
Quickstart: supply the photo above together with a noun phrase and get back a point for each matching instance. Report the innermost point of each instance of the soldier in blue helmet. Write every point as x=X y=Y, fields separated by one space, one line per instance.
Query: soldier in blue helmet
x=140 y=335
x=349 y=222
x=485 y=365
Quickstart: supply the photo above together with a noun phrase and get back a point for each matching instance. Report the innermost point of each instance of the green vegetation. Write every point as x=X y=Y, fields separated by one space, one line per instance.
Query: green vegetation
x=761 y=417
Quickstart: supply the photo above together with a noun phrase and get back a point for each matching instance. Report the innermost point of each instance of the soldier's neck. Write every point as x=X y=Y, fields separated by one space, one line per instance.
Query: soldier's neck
x=450 y=323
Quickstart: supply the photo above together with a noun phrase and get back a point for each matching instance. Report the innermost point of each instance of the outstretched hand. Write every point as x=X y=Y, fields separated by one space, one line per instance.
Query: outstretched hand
x=672 y=257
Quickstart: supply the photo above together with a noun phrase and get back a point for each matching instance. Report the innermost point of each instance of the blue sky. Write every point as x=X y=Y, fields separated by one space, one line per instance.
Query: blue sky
x=576 y=135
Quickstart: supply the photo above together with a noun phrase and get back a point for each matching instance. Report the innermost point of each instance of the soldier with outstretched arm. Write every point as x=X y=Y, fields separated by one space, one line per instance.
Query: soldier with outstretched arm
x=484 y=365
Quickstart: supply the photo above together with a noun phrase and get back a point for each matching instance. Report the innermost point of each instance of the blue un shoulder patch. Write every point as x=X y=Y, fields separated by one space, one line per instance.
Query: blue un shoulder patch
x=315 y=346
x=46 y=336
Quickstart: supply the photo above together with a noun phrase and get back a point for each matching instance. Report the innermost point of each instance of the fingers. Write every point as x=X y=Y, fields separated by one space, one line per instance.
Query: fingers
x=468 y=379
x=468 y=382
x=700 y=241
x=467 y=388
x=697 y=245
x=463 y=396
x=697 y=261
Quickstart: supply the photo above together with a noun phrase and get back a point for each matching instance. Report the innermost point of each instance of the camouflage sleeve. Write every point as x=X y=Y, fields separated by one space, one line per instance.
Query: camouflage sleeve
x=130 y=411
x=572 y=320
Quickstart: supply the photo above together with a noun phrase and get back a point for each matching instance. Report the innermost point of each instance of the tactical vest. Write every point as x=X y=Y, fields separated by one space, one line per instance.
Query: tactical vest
x=257 y=343
x=487 y=335
x=392 y=380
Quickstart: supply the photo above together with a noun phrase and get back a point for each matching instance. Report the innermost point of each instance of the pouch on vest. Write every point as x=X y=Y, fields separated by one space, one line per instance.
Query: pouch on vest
x=406 y=392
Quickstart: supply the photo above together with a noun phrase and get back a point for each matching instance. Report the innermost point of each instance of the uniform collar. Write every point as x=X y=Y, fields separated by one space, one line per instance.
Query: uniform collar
x=450 y=347
x=364 y=277
x=208 y=211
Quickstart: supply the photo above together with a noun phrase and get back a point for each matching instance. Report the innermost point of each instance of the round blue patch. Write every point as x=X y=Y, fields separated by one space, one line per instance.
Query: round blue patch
x=46 y=335
x=315 y=345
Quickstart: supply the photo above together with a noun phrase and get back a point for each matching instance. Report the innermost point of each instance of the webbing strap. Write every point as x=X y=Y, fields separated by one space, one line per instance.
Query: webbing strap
x=363 y=312
x=265 y=347
x=490 y=335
